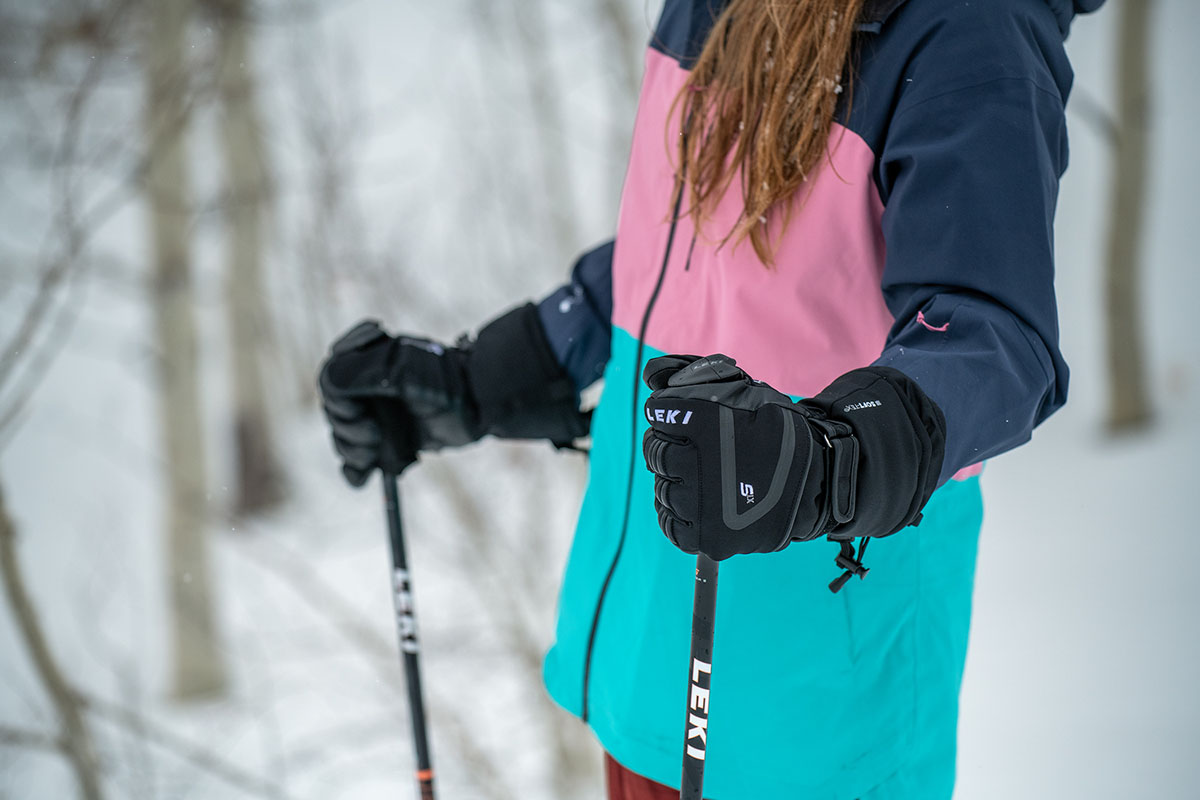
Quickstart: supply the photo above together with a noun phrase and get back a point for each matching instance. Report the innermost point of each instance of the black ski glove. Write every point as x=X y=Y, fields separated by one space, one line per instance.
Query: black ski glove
x=740 y=468
x=388 y=398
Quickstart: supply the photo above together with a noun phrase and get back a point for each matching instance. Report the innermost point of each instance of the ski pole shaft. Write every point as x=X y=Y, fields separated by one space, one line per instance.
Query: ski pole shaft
x=406 y=627
x=695 y=736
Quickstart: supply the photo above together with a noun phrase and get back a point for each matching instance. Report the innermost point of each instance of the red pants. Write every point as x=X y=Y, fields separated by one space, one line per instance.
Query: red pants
x=626 y=785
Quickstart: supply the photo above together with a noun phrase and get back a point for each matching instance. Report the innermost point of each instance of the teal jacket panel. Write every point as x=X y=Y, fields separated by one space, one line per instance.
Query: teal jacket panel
x=818 y=695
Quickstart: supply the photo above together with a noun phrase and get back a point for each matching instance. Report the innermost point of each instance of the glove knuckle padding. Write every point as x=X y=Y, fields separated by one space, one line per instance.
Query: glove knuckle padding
x=364 y=333
x=361 y=433
x=664 y=456
x=658 y=371
x=651 y=451
x=354 y=476
x=357 y=372
x=357 y=453
x=681 y=533
x=662 y=488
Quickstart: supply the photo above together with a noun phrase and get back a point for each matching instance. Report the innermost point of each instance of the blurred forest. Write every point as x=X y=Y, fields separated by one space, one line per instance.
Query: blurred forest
x=194 y=198
x=197 y=197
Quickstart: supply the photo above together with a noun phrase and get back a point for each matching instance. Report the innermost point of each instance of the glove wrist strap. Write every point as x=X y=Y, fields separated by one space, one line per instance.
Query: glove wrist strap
x=841 y=454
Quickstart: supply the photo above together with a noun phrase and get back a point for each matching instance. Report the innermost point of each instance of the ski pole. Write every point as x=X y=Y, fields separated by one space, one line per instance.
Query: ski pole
x=695 y=736
x=406 y=627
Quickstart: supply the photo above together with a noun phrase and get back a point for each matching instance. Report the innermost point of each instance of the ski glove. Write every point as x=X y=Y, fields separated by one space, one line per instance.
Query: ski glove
x=388 y=398
x=741 y=468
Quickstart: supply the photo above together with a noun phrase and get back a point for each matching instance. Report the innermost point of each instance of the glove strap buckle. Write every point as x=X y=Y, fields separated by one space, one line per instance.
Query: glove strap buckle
x=843 y=468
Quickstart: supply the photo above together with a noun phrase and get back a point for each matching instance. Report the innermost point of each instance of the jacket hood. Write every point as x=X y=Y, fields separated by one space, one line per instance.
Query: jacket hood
x=1065 y=11
x=875 y=12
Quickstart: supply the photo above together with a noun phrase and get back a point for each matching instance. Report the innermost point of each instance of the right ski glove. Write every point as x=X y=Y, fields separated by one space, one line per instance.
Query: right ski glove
x=387 y=398
x=740 y=468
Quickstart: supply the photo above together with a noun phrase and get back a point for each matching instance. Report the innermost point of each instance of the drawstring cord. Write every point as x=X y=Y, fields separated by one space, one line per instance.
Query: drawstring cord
x=851 y=563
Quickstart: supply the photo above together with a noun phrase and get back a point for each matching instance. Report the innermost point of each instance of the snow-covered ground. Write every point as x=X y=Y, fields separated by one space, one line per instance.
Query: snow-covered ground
x=1079 y=681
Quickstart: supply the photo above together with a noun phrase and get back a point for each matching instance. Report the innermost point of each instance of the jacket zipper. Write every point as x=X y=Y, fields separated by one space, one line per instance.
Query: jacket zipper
x=637 y=366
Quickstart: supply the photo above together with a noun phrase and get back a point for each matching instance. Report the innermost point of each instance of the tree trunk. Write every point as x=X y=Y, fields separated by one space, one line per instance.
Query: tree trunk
x=533 y=39
x=628 y=42
x=259 y=479
x=75 y=741
x=1129 y=405
x=198 y=669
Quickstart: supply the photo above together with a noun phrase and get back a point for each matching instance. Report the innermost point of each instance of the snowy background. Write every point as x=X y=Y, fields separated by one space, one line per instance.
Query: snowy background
x=433 y=164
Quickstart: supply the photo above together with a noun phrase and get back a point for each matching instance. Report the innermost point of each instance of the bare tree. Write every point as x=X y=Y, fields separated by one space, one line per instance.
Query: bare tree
x=1129 y=406
x=517 y=610
x=42 y=54
x=627 y=38
x=74 y=740
x=329 y=239
x=533 y=44
x=259 y=479
x=198 y=668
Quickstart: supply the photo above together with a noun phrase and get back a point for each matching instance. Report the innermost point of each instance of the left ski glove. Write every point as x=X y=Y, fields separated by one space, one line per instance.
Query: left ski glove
x=740 y=468
x=387 y=398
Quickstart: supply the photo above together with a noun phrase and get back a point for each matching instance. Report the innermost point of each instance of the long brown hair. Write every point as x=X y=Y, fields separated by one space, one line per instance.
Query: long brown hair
x=761 y=101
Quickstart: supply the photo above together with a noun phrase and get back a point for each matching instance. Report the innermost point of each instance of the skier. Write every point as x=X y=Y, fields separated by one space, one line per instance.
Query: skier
x=851 y=218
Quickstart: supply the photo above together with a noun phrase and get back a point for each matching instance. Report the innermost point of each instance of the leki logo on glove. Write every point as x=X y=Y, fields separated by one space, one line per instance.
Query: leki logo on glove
x=747 y=492
x=668 y=415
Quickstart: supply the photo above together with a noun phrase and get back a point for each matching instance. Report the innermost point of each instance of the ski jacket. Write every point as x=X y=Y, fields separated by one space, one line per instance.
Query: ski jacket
x=925 y=244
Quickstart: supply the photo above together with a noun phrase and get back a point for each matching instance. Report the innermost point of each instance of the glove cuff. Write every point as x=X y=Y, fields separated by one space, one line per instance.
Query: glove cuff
x=520 y=389
x=901 y=435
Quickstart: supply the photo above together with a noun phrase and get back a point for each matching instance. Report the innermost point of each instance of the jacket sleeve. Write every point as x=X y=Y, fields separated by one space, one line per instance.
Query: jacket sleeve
x=969 y=174
x=577 y=317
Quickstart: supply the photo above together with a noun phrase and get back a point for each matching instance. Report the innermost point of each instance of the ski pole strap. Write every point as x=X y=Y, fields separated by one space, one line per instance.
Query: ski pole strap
x=695 y=738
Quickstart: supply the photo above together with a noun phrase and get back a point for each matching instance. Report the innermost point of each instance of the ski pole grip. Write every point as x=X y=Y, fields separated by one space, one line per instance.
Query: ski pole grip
x=398 y=450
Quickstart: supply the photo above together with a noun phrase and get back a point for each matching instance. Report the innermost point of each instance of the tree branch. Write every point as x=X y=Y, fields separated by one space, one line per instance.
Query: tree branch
x=76 y=743
x=29 y=740
x=381 y=653
x=141 y=725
